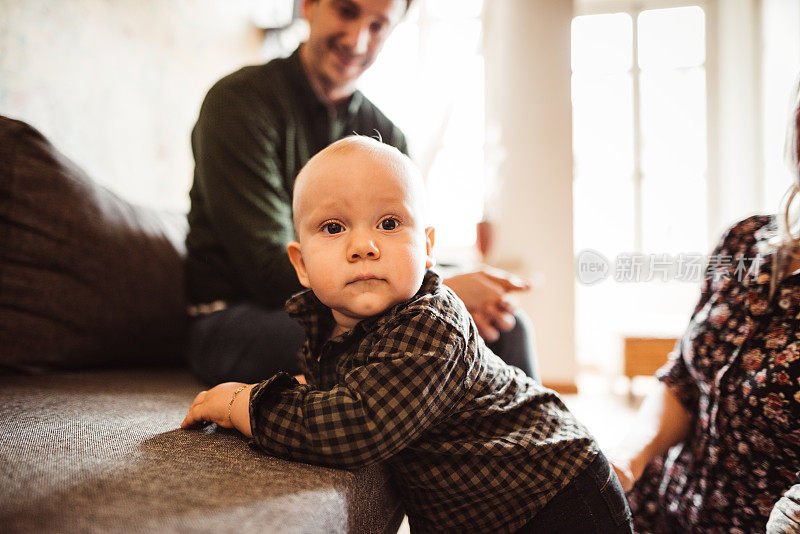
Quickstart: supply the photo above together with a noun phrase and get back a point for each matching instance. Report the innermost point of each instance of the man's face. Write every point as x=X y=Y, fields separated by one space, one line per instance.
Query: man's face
x=362 y=248
x=346 y=36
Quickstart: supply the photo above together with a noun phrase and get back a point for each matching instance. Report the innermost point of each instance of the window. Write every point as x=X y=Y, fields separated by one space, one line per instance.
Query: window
x=639 y=141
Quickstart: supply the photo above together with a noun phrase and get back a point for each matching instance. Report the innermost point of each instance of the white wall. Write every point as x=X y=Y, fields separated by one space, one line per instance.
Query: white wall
x=117 y=84
x=527 y=53
x=734 y=127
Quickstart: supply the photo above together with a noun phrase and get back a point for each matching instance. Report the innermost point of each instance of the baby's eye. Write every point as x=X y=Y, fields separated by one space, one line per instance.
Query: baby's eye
x=389 y=224
x=332 y=228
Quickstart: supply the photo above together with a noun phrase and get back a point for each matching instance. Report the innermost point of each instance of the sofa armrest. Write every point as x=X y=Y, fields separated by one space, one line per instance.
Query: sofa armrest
x=102 y=451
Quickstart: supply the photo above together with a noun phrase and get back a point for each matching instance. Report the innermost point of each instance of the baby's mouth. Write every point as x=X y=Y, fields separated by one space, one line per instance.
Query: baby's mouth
x=365 y=278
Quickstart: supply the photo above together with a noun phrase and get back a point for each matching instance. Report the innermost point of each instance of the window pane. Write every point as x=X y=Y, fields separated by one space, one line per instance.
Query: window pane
x=673 y=214
x=603 y=124
x=455 y=187
x=673 y=118
x=670 y=38
x=672 y=159
x=602 y=43
x=386 y=82
x=603 y=213
x=465 y=116
x=449 y=9
x=452 y=39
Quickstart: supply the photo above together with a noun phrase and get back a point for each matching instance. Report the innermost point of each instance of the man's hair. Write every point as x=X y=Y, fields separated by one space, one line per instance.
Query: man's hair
x=408 y=4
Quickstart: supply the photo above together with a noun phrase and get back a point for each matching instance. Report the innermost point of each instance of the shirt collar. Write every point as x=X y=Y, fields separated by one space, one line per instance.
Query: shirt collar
x=317 y=320
x=307 y=93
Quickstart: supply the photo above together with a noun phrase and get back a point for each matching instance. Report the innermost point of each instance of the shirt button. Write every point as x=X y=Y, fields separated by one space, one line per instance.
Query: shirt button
x=785 y=303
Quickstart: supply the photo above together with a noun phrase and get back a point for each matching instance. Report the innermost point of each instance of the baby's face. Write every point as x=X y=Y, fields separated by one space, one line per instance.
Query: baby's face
x=362 y=247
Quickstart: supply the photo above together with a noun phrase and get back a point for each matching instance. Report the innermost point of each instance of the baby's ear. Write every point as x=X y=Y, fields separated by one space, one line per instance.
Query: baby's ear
x=296 y=257
x=429 y=234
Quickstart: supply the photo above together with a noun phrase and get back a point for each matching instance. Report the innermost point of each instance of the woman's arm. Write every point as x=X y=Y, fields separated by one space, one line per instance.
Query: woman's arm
x=662 y=422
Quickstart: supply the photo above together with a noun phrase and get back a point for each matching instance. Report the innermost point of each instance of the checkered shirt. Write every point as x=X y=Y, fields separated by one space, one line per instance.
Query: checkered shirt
x=473 y=444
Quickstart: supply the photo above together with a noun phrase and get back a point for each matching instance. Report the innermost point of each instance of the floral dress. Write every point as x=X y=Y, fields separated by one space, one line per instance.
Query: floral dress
x=737 y=371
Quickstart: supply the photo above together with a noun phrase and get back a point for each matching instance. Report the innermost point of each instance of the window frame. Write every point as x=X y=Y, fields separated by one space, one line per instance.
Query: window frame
x=633 y=8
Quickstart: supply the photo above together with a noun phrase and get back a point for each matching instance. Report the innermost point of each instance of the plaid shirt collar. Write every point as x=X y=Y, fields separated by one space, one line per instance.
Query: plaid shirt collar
x=317 y=320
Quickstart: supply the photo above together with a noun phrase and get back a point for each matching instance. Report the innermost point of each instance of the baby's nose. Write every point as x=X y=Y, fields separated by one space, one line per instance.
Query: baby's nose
x=363 y=247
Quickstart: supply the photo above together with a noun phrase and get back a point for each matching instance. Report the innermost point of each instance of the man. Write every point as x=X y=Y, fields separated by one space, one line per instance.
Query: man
x=257 y=127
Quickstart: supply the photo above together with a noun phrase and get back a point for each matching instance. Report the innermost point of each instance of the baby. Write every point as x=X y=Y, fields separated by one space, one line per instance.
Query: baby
x=396 y=371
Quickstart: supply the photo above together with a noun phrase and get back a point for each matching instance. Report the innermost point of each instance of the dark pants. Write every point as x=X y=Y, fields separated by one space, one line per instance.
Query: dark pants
x=248 y=343
x=592 y=503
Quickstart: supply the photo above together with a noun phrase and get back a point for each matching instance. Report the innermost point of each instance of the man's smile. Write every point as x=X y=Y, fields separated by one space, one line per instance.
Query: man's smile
x=346 y=59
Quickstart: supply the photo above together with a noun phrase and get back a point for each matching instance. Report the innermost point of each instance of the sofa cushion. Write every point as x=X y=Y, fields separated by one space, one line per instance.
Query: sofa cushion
x=101 y=451
x=86 y=278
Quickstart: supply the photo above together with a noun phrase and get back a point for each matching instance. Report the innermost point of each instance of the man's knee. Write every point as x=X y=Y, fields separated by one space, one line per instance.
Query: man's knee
x=244 y=343
x=527 y=340
x=517 y=347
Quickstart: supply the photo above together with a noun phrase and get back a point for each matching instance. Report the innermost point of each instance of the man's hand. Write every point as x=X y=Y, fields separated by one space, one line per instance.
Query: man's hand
x=212 y=406
x=486 y=294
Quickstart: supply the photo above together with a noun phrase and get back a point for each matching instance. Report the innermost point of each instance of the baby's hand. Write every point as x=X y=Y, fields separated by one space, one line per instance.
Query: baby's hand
x=212 y=406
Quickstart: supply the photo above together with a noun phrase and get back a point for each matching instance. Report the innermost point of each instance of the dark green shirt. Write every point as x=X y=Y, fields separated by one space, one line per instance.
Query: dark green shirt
x=257 y=128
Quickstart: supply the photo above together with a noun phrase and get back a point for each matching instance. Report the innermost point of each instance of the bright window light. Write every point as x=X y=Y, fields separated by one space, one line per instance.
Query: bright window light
x=429 y=79
x=639 y=142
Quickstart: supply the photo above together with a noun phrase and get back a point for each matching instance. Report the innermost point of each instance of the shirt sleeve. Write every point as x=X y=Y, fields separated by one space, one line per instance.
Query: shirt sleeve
x=676 y=373
x=246 y=200
x=375 y=411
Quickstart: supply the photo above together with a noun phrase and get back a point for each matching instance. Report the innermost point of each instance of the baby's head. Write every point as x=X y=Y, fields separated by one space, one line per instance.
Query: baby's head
x=361 y=243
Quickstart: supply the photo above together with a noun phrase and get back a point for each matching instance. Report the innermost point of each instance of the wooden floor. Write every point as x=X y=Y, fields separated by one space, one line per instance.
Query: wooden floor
x=604 y=405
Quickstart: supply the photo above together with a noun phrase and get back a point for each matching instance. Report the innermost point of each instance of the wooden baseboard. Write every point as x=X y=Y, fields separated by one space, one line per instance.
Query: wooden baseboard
x=563 y=388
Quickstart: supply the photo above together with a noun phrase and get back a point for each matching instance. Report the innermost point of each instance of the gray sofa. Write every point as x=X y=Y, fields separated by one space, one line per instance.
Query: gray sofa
x=93 y=387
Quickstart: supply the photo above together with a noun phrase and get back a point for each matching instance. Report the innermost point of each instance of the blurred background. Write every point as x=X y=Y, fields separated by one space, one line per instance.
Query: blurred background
x=636 y=130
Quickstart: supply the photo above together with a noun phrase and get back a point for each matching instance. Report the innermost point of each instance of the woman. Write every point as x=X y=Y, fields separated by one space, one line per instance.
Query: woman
x=718 y=443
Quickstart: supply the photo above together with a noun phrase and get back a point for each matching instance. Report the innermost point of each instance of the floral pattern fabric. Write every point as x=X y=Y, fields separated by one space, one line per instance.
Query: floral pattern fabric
x=737 y=371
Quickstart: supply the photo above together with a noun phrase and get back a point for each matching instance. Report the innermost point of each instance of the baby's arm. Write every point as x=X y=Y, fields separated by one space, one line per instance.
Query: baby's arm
x=375 y=410
x=406 y=385
x=224 y=405
x=227 y=404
